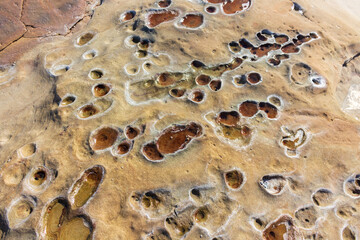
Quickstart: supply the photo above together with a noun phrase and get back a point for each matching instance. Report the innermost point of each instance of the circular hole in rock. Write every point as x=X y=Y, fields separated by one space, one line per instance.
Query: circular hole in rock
x=202 y=79
x=96 y=74
x=128 y=15
x=248 y=108
x=101 y=90
x=254 y=78
x=84 y=39
x=215 y=85
x=103 y=138
x=87 y=111
x=197 y=96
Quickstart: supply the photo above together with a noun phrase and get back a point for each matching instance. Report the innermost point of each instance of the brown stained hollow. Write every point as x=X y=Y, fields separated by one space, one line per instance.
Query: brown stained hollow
x=234 y=6
x=151 y=152
x=233 y=179
x=245 y=44
x=245 y=131
x=228 y=118
x=123 y=147
x=194 y=129
x=240 y=80
x=96 y=74
x=202 y=79
x=210 y=9
x=128 y=15
x=177 y=93
x=313 y=35
x=131 y=132
x=234 y=47
x=236 y=62
x=215 y=85
x=248 y=108
x=282 y=56
x=276 y=230
x=53 y=217
x=135 y=39
x=84 y=39
x=101 y=90
x=68 y=100
x=177 y=137
x=197 y=64
x=274 y=62
x=254 y=78
x=264 y=49
x=39 y=177
x=197 y=96
x=87 y=111
x=141 y=53
x=144 y=44
x=192 y=20
x=160 y=16
x=281 y=38
x=167 y=79
x=270 y=110
x=201 y=214
x=103 y=138
x=300 y=39
x=85 y=187
x=290 y=48
x=261 y=37
x=164 y=3
x=234 y=133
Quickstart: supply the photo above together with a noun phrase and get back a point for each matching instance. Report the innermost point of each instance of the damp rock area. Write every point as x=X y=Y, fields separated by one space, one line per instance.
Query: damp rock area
x=180 y=119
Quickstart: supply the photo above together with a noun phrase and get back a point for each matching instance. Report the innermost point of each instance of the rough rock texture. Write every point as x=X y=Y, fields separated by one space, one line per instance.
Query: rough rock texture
x=37 y=19
x=279 y=146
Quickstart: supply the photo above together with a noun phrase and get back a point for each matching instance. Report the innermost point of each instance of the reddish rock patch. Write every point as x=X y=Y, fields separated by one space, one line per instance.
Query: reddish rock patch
x=192 y=20
x=128 y=15
x=164 y=3
x=151 y=152
x=281 y=38
x=160 y=16
x=103 y=138
x=167 y=79
x=270 y=110
x=264 y=49
x=177 y=137
x=132 y=132
x=25 y=23
x=290 y=48
x=228 y=118
x=197 y=96
x=254 y=78
x=123 y=148
x=235 y=6
x=215 y=85
x=203 y=79
x=248 y=108
x=177 y=93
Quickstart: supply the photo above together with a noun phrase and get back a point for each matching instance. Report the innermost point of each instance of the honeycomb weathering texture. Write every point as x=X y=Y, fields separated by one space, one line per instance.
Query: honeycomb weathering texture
x=170 y=119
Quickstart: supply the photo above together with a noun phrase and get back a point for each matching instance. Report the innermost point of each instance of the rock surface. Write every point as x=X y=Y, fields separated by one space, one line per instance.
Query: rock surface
x=217 y=120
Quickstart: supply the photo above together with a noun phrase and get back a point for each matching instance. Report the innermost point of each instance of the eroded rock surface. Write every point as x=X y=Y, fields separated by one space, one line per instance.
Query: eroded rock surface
x=169 y=119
